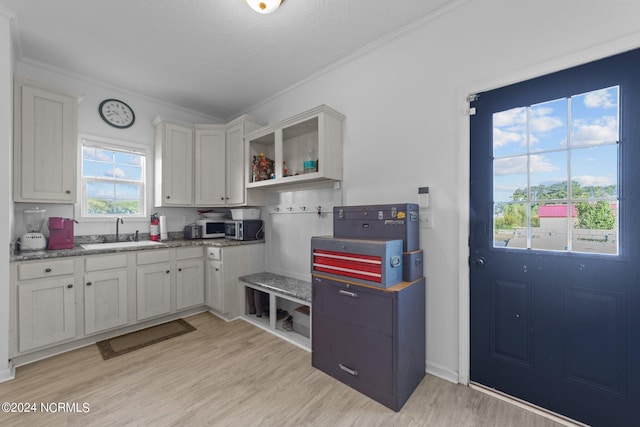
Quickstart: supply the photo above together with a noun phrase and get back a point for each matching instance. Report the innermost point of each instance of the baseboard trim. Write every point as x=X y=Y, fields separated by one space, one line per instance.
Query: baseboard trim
x=560 y=419
x=442 y=372
x=8 y=374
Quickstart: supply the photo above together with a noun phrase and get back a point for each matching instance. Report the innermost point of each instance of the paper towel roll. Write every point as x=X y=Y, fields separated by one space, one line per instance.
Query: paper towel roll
x=163 y=228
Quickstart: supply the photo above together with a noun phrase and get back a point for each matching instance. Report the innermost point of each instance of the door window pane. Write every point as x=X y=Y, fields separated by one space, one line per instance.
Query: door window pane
x=594 y=118
x=550 y=226
x=510 y=132
x=555 y=185
x=548 y=126
x=510 y=179
x=548 y=176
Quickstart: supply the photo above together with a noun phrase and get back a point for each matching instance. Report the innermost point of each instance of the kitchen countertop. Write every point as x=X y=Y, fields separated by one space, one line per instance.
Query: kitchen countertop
x=281 y=284
x=173 y=243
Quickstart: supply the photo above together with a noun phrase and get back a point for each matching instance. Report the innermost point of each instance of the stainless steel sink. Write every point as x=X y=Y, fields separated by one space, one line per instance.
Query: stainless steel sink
x=118 y=245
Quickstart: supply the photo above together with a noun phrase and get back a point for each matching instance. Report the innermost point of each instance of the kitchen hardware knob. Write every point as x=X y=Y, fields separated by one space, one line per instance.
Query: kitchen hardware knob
x=217 y=269
x=89 y=283
x=348 y=370
x=168 y=271
x=179 y=269
x=168 y=197
x=221 y=198
x=47 y=270
x=69 y=286
x=67 y=192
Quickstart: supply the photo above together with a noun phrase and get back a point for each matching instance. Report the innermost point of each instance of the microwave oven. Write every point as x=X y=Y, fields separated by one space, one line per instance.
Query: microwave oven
x=211 y=228
x=248 y=229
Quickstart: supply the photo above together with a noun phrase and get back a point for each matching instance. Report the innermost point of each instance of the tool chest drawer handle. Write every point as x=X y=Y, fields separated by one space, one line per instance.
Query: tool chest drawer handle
x=348 y=293
x=348 y=370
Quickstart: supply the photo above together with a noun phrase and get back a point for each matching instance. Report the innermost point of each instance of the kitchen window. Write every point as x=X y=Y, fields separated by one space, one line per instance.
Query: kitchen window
x=113 y=179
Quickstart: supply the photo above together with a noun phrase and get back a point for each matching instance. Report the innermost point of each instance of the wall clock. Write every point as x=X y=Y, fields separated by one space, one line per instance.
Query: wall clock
x=116 y=113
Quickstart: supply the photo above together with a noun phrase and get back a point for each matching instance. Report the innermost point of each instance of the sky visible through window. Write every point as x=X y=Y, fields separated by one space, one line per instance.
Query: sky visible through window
x=540 y=149
x=113 y=182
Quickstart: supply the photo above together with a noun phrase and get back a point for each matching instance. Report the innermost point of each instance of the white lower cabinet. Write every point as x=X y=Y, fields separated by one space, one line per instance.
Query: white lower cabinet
x=189 y=277
x=46 y=311
x=224 y=292
x=216 y=289
x=153 y=290
x=57 y=302
x=105 y=293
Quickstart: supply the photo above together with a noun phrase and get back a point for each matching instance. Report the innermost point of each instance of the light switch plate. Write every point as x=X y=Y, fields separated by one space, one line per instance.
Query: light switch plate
x=426 y=218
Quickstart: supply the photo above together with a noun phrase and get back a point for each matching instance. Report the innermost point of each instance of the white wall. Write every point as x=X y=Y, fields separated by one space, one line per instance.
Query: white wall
x=6 y=214
x=91 y=93
x=405 y=125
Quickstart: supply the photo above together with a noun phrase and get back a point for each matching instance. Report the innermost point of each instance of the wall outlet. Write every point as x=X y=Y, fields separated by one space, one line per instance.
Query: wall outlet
x=426 y=218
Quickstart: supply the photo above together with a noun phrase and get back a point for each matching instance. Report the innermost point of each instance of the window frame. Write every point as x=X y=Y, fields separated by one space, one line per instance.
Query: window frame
x=570 y=200
x=118 y=145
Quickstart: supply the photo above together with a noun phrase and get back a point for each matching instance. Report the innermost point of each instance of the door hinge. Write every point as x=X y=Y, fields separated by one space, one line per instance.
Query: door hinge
x=471 y=111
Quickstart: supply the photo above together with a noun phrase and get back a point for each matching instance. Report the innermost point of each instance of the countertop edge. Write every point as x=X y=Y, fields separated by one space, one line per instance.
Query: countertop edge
x=79 y=251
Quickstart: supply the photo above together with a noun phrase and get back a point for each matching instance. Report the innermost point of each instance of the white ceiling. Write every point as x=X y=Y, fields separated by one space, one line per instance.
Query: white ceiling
x=216 y=57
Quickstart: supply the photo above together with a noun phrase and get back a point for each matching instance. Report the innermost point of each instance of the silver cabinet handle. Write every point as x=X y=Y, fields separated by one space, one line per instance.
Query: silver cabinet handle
x=348 y=293
x=348 y=370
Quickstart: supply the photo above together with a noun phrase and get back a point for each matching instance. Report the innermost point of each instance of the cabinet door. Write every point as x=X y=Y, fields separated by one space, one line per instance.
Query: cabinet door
x=175 y=163
x=210 y=167
x=45 y=146
x=46 y=310
x=236 y=165
x=105 y=300
x=190 y=283
x=153 y=290
x=215 y=287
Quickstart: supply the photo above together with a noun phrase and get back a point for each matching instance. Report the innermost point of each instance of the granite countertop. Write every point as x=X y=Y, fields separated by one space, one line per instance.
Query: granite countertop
x=281 y=284
x=78 y=250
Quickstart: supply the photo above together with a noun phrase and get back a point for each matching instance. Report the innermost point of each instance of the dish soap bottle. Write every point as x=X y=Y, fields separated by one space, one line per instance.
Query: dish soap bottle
x=309 y=163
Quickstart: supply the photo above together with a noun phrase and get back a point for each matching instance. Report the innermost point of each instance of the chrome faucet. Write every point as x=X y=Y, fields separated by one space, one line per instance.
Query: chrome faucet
x=118 y=222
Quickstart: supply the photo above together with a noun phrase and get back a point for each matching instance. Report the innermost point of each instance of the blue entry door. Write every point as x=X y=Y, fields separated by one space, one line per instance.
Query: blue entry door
x=555 y=241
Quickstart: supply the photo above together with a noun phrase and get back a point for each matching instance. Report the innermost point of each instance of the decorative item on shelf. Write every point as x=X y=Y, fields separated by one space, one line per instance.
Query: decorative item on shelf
x=285 y=170
x=262 y=168
x=310 y=162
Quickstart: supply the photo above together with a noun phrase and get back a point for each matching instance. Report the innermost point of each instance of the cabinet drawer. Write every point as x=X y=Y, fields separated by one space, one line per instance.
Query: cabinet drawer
x=98 y=263
x=188 y=253
x=354 y=355
x=152 y=257
x=36 y=270
x=353 y=305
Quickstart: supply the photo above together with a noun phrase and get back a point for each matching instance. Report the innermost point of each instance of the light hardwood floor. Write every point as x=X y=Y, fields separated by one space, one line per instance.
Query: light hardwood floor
x=232 y=374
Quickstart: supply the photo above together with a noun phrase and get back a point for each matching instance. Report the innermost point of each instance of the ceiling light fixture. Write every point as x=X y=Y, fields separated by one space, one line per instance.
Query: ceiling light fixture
x=264 y=6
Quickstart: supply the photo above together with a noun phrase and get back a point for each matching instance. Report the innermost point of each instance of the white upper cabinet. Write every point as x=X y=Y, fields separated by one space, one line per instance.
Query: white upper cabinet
x=202 y=166
x=210 y=165
x=173 y=165
x=303 y=150
x=237 y=165
x=44 y=151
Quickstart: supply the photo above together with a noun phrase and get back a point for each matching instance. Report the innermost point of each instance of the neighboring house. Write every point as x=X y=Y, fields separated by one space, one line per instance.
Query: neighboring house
x=553 y=217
